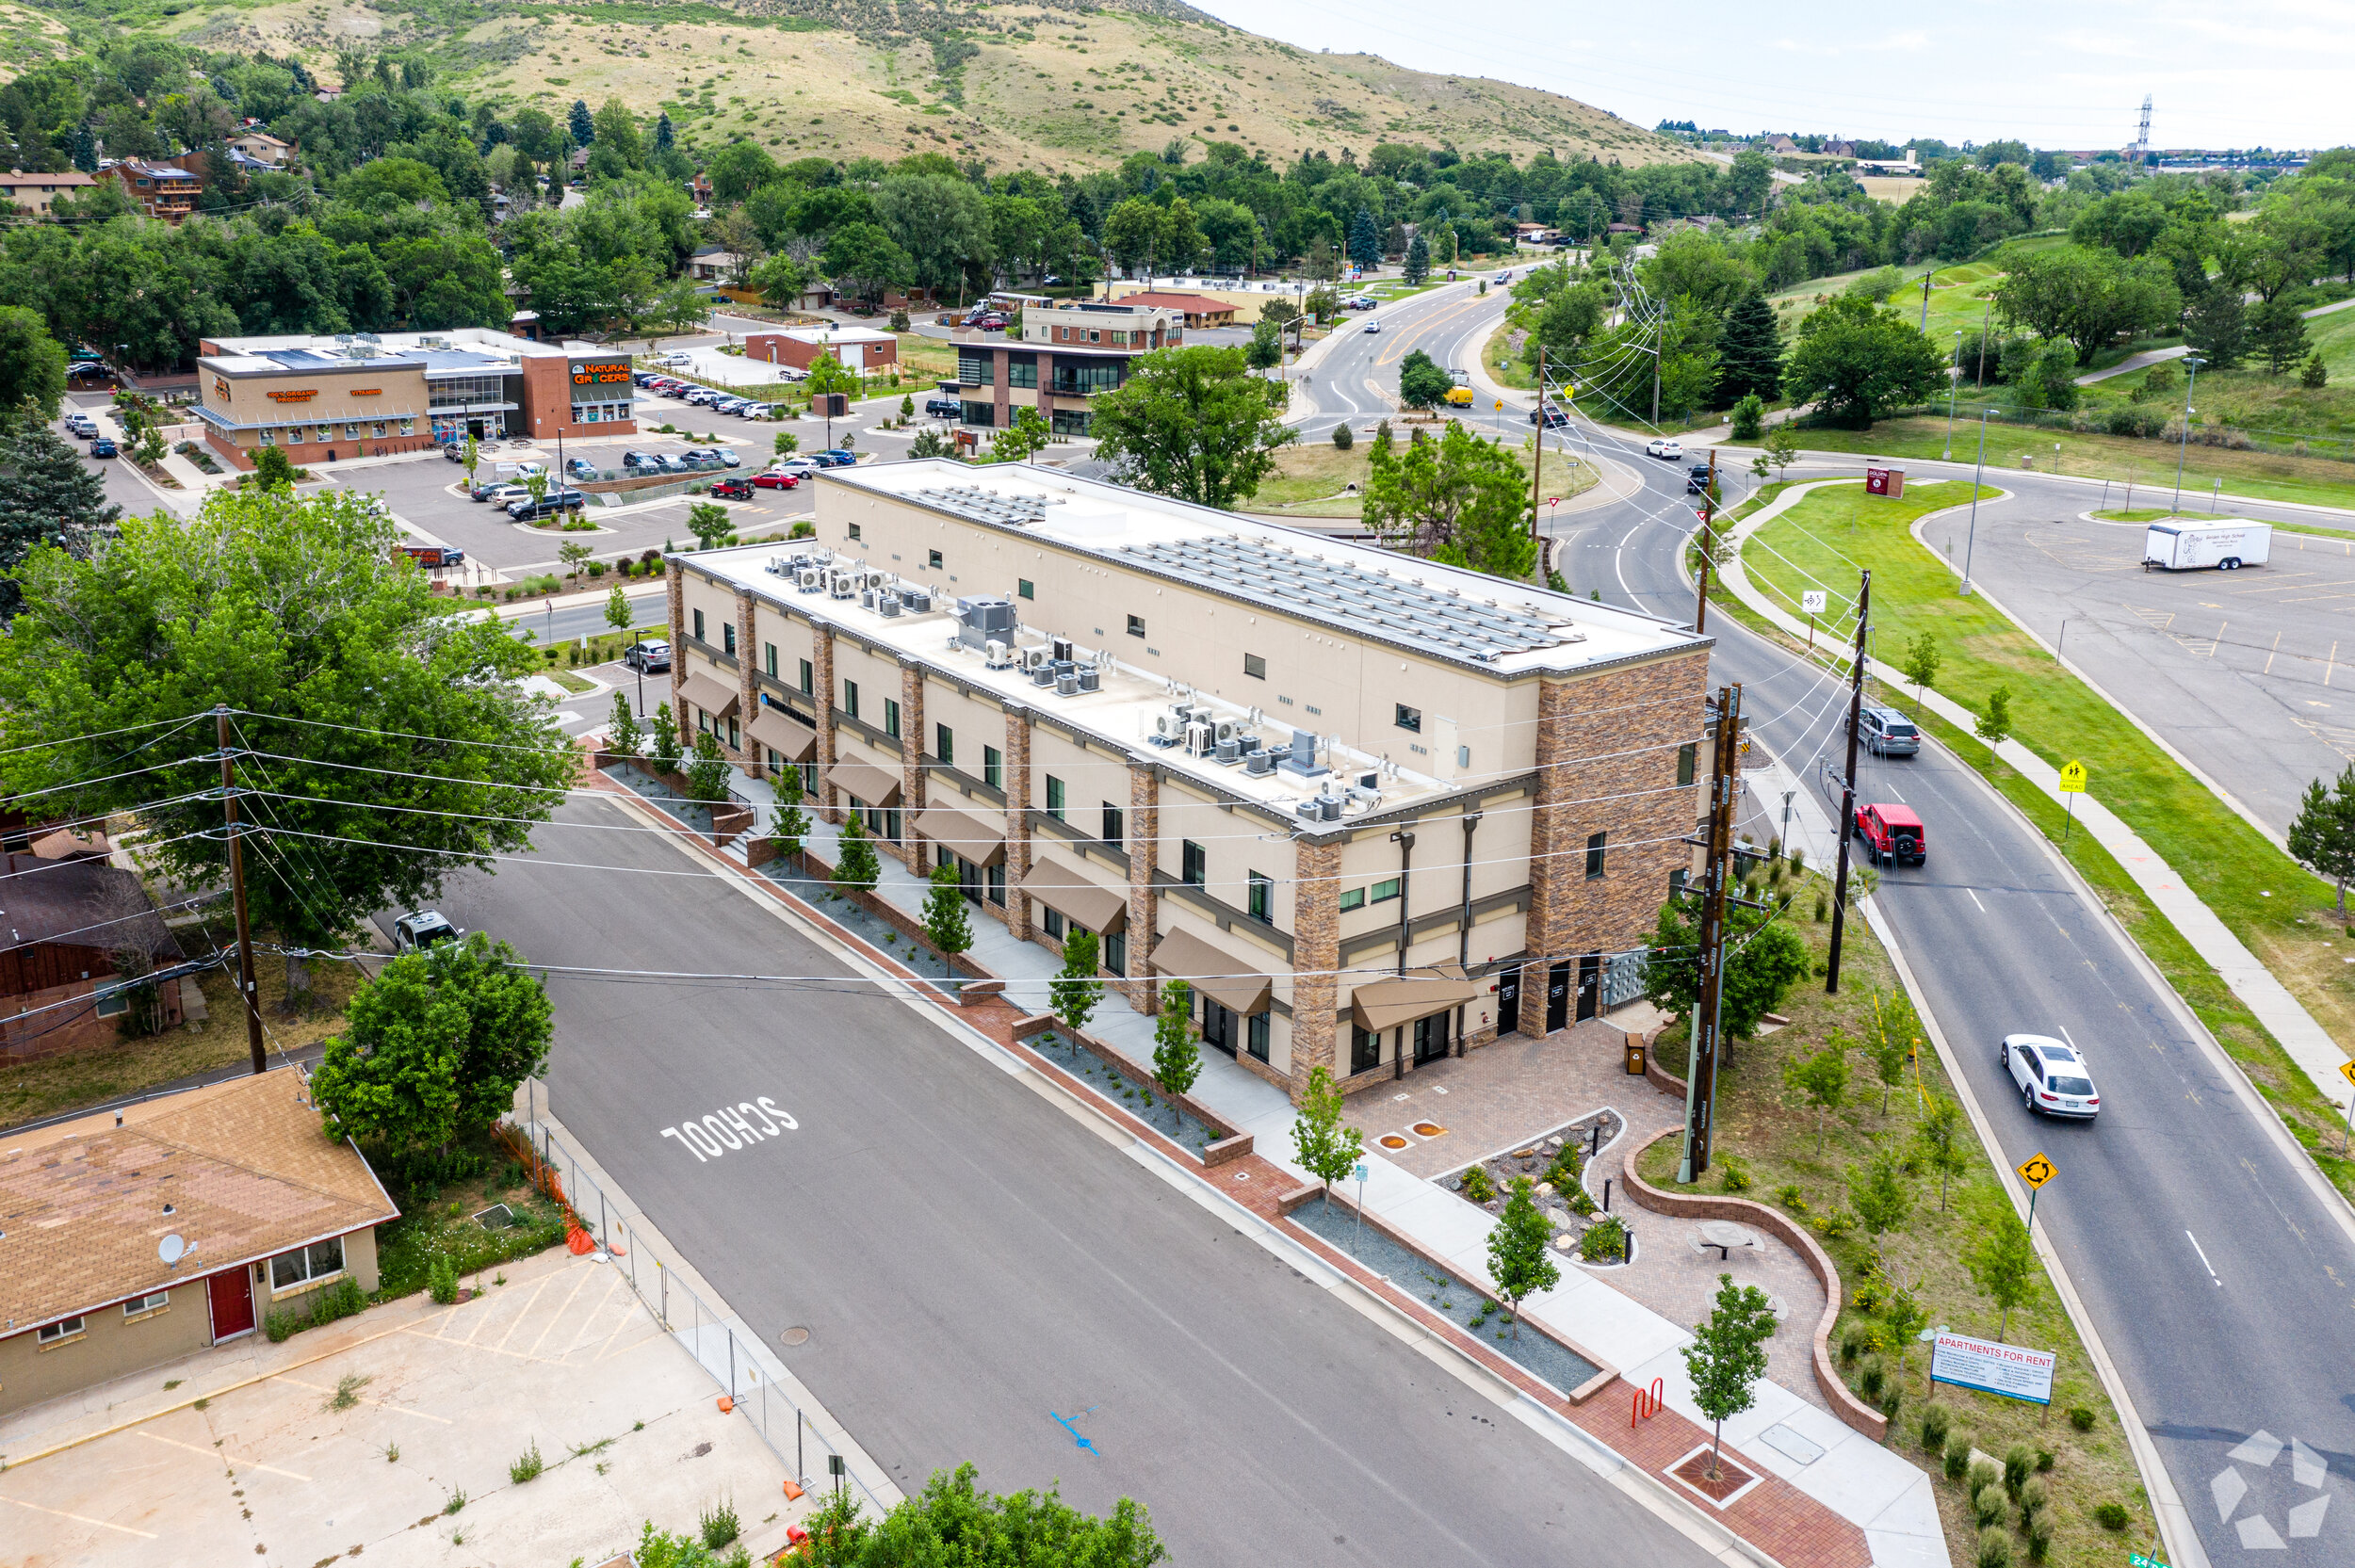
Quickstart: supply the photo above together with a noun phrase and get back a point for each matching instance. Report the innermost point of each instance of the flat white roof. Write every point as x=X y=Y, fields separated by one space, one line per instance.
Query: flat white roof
x=1360 y=591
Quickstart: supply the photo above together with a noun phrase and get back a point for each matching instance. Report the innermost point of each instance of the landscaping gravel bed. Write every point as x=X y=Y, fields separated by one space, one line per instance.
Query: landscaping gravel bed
x=695 y=814
x=857 y=919
x=1444 y=1293
x=1537 y=1159
x=1192 y=1133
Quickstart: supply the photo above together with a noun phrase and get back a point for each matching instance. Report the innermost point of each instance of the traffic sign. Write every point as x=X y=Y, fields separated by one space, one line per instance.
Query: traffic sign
x=2346 y=1071
x=2143 y=1559
x=1811 y=601
x=1554 y=500
x=2073 y=781
x=2037 y=1171
x=1500 y=404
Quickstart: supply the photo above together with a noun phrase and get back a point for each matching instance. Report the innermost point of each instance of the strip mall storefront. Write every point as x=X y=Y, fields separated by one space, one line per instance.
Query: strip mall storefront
x=315 y=414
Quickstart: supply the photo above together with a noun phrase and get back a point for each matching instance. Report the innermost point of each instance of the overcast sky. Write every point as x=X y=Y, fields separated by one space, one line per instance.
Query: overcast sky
x=2055 y=74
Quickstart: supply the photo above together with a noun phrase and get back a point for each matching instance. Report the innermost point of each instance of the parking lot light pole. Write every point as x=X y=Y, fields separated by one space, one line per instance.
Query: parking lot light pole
x=1971 y=544
x=2192 y=363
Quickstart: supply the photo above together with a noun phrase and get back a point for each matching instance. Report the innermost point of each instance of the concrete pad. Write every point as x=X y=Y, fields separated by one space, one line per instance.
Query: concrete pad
x=563 y=1356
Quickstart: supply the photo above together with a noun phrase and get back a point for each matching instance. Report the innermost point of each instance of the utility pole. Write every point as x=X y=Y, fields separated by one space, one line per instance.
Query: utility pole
x=1987 y=319
x=1925 y=299
x=1538 y=461
x=1656 y=386
x=1847 y=793
x=1709 y=542
x=248 y=999
x=1700 y=1077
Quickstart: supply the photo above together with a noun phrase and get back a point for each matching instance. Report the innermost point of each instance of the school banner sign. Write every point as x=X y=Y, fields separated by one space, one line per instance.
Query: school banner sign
x=2011 y=1372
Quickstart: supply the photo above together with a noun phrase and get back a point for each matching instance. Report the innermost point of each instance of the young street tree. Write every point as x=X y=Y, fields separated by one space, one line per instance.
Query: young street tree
x=2322 y=837
x=1322 y=1145
x=1517 y=1259
x=1194 y=423
x=1878 y=1193
x=1074 y=991
x=1891 y=1034
x=1994 y=721
x=434 y=1046
x=945 y=923
x=708 y=775
x=789 y=824
x=1021 y=440
x=2001 y=1258
x=617 y=610
x=1921 y=666
x=299 y=617
x=1728 y=1356
x=1766 y=957
x=1823 y=1079
x=667 y=749
x=1944 y=1138
x=1422 y=382
x=857 y=867
x=624 y=733
x=709 y=522
x=1176 y=1059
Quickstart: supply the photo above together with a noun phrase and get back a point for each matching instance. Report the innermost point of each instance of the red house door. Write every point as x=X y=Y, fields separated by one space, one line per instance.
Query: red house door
x=232 y=1303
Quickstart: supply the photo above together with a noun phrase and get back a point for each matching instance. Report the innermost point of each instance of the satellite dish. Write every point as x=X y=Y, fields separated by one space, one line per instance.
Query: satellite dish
x=172 y=1250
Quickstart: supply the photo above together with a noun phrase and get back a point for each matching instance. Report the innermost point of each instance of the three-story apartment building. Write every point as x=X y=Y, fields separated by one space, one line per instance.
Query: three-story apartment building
x=1373 y=810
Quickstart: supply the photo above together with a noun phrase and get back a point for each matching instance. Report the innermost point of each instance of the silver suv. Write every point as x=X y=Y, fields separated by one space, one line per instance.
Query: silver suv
x=1887 y=732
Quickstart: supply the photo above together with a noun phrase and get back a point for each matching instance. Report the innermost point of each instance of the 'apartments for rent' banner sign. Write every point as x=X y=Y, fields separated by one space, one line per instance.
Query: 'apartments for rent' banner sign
x=2010 y=1371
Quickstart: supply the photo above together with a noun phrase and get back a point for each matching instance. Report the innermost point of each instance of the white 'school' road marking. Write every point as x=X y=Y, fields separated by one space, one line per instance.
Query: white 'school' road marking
x=708 y=1137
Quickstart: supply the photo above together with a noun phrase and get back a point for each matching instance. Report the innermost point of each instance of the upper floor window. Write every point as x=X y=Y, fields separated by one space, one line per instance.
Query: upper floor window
x=1408 y=719
x=1192 y=863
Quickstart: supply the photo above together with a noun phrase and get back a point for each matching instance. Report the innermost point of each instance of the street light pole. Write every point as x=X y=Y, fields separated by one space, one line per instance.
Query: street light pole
x=1976 y=474
x=2192 y=363
x=1954 y=385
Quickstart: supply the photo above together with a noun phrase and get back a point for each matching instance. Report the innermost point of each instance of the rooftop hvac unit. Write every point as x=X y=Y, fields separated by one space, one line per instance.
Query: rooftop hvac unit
x=917 y=600
x=1091 y=678
x=1042 y=673
x=1227 y=730
x=841 y=584
x=1229 y=751
x=888 y=603
x=1067 y=683
x=1259 y=764
x=867 y=598
x=1199 y=739
x=1035 y=659
x=1168 y=729
x=997 y=655
x=1331 y=807
x=1062 y=646
x=1300 y=758
x=809 y=579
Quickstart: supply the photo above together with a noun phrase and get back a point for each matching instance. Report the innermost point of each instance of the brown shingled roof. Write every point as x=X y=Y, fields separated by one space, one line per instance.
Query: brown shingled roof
x=83 y=901
x=245 y=1165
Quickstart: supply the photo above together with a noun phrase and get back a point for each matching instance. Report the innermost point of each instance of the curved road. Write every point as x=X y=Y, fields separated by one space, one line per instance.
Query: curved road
x=2217 y=1265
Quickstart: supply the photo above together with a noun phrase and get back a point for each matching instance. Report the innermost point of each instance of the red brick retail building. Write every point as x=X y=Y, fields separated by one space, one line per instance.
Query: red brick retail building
x=361 y=394
x=1372 y=809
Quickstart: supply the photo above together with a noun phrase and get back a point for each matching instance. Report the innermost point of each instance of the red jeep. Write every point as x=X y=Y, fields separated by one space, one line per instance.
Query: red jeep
x=1893 y=834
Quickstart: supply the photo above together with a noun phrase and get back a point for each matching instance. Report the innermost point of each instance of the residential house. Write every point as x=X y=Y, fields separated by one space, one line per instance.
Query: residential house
x=263 y=148
x=79 y=933
x=142 y=1235
x=34 y=192
x=1062 y=358
x=159 y=189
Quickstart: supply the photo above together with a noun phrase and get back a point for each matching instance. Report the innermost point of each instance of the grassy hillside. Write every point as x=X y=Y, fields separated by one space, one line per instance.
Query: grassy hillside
x=1071 y=87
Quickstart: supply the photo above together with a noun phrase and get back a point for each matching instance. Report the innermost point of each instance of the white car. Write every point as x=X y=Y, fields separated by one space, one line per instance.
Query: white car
x=422 y=928
x=1661 y=446
x=2051 y=1077
x=1373 y=326
x=675 y=360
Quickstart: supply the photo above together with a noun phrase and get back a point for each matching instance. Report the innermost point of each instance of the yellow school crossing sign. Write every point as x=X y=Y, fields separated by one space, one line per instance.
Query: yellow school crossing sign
x=2073 y=778
x=2037 y=1171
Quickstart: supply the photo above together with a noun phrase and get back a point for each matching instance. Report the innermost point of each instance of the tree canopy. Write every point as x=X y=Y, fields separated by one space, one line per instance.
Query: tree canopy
x=1194 y=423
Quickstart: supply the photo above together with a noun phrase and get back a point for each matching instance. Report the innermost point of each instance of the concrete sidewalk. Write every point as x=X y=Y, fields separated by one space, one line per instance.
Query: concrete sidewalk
x=1871 y=1487
x=2308 y=1042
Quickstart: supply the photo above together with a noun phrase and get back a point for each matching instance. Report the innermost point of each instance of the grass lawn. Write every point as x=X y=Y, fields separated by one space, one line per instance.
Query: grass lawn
x=50 y=1086
x=2221 y=858
x=1789 y=1164
x=2128 y=460
x=2246 y=397
x=439 y=1194
x=1310 y=477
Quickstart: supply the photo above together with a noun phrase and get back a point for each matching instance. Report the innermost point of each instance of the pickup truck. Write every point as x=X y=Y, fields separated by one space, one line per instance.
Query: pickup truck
x=1893 y=832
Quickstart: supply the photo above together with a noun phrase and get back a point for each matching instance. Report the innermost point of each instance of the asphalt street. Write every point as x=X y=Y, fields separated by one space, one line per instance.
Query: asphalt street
x=2220 y=1273
x=971 y=1262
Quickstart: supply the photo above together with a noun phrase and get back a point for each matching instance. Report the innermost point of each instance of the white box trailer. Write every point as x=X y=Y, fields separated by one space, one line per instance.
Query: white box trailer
x=2228 y=545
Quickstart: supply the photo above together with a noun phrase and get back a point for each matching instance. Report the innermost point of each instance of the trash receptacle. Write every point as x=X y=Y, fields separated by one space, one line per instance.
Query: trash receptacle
x=1635 y=1056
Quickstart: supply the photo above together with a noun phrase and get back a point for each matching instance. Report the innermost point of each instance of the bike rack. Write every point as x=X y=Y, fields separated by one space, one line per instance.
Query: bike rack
x=1648 y=1401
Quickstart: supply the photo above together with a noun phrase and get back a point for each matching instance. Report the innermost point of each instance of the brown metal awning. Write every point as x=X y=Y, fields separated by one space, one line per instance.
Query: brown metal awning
x=794 y=742
x=1221 y=977
x=865 y=782
x=708 y=693
x=968 y=834
x=1379 y=1005
x=1069 y=892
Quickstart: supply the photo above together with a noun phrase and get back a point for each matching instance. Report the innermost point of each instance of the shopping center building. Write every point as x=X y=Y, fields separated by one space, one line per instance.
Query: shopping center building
x=369 y=394
x=1370 y=809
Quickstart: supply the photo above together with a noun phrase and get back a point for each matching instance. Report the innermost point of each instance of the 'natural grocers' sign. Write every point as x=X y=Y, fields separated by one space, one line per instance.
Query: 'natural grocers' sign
x=2012 y=1371
x=616 y=374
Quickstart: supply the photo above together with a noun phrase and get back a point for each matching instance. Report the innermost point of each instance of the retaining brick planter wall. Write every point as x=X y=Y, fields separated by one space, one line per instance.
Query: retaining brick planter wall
x=1605 y=1374
x=1232 y=1147
x=978 y=984
x=1845 y=1403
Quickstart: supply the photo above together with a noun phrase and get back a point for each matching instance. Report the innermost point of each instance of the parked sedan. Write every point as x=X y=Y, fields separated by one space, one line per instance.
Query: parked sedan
x=757 y=411
x=944 y=408
x=2050 y=1076
x=644 y=459
x=733 y=490
x=728 y=405
x=648 y=658
x=772 y=479
x=554 y=501
x=102 y=447
x=702 y=397
x=717 y=457
x=501 y=493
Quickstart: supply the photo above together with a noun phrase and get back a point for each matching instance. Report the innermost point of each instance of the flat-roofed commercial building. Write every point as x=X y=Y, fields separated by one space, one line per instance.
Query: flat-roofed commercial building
x=1062 y=359
x=366 y=395
x=1372 y=809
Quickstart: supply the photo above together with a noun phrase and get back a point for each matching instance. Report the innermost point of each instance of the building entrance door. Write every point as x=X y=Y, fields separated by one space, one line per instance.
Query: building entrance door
x=1589 y=984
x=232 y=1295
x=1220 y=1027
x=1509 y=1002
x=1558 y=997
x=1431 y=1037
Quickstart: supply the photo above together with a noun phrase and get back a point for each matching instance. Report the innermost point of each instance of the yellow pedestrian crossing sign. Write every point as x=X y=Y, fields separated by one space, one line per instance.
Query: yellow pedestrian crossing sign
x=2072 y=780
x=2036 y=1170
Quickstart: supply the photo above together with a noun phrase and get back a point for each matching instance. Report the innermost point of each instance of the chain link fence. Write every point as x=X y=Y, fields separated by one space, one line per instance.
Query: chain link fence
x=689 y=1319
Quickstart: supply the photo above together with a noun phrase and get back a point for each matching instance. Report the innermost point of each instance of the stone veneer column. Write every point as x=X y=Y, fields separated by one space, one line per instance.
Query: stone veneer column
x=676 y=590
x=1547 y=931
x=747 y=684
x=822 y=677
x=1145 y=836
x=1316 y=955
x=912 y=780
x=1015 y=778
